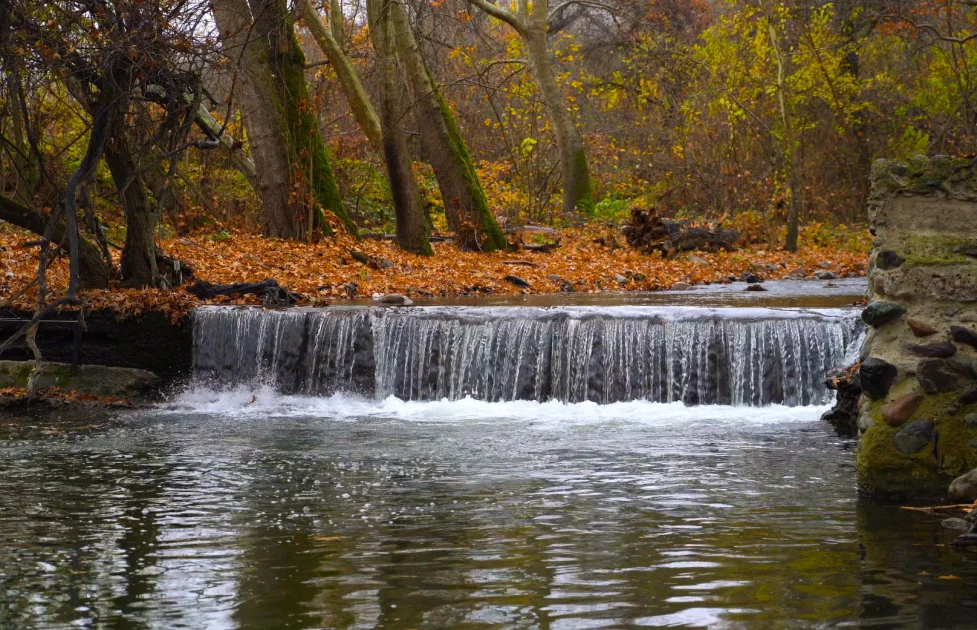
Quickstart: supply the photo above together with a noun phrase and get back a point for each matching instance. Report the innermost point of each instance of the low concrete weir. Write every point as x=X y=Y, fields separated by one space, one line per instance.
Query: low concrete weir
x=729 y=356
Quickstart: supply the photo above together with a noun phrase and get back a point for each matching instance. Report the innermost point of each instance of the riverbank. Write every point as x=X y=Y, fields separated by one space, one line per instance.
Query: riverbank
x=592 y=259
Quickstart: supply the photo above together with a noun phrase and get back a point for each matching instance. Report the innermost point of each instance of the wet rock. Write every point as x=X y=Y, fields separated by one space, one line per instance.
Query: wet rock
x=969 y=397
x=517 y=281
x=880 y=313
x=914 y=436
x=756 y=287
x=681 y=286
x=941 y=350
x=825 y=275
x=898 y=411
x=955 y=524
x=971 y=421
x=96 y=380
x=876 y=377
x=964 y=335
x=920 y=328
x=888 y=259
x=844 y=415
x=964 y=364
x=964 y=488
x=936 y=376
x=750 y=278
x=396 y=299
x=966 y=250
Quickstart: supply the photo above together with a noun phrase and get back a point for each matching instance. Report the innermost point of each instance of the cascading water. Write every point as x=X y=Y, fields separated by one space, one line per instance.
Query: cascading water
x=696 y=356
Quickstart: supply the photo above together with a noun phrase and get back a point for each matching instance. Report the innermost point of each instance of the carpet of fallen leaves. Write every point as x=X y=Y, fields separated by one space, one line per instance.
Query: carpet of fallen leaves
x=587 y=260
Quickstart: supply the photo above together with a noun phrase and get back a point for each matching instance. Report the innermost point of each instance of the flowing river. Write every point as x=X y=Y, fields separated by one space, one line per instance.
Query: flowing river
x=257 y=500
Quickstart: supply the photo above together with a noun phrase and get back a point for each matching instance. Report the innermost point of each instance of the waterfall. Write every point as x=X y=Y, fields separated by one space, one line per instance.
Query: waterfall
x=697 y=356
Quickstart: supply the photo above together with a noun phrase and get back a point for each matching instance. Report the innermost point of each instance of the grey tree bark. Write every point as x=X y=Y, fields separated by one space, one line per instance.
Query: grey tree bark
x=412 y=228
x=465 y=204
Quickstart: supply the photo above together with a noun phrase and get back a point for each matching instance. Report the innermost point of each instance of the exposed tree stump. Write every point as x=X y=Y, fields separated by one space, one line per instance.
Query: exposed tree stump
x=649 y=233
x=268 y=291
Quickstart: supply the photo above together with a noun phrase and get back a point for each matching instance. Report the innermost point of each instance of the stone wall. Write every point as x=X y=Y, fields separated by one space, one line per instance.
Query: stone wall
x=918 y=411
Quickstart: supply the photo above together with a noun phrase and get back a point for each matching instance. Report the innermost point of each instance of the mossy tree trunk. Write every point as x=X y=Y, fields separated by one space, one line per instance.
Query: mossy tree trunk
x=412 y=228
x=295 y=179
x=531 y=21
x=465 y=205
x=324 y=32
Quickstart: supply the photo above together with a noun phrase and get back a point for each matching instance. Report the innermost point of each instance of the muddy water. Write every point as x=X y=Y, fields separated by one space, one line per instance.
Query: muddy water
x=247 y=509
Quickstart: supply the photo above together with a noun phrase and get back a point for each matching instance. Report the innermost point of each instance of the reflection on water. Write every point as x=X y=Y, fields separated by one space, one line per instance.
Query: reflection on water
x=415 y=516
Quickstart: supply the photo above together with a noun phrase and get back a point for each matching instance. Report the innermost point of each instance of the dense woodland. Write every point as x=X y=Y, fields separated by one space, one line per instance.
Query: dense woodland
x=123 y=123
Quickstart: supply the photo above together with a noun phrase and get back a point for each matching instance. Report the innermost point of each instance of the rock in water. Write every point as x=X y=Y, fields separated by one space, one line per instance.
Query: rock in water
x=920 y=328
x=969 y=397
x=936 y=376
x=914 y=436
x=876 y=377
x=964 y=488
x=396 y=299
x=942 y=350
x=880 y=313
x=898 y=411
x=887 y=260
x=756 y=287
x=825 y=275
x=955 y=524
x=681 y=286
x=964 y=335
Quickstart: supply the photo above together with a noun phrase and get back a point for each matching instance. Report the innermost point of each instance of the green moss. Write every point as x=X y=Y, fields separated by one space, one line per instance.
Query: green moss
x=931 y=249
x=882 y=468
x=583 y=193
x=494 y=238
x=922 y=175
x=304 y=140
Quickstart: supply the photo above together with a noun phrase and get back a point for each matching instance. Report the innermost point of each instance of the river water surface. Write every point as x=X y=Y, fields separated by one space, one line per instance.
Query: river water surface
x=220 y=512
x=242 y=507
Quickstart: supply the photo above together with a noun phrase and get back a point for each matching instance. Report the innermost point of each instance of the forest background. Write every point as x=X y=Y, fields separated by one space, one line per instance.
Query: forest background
x=253 y=138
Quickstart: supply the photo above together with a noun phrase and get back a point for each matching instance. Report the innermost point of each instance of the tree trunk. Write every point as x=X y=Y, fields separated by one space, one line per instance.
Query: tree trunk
x=412 y=228
x=138 y=264
x=465 y=205
x=578 y=194
x=349 y=80
x=295 y=180
x=94 y=269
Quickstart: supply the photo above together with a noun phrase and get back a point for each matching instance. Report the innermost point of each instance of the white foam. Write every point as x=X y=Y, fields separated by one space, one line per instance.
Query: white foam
x=243 y=402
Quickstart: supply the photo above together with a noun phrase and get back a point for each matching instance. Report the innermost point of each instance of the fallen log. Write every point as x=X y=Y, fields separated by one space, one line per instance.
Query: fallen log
x=267 y=290
x=649 y=233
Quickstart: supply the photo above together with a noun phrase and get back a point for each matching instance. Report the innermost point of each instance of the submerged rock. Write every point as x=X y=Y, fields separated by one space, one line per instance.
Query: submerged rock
x=396 y=299
x=880 y=313
x=876 y=377
x=964 y=488
x=914 y=436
